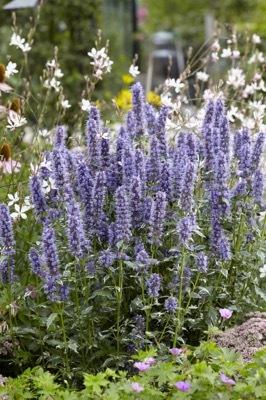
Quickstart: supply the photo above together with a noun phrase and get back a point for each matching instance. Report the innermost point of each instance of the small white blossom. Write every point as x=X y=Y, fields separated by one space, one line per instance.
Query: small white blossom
x=170 y=82
x=236 y=78
x=178 y=85
x=248 y=91
x=15 y=120
x=13 y=199
x=19 y=213
x=25 y=48
x=216 y=46
x=44 y=132
x=16 y=40
x=214 y=57
x=134 y=70
x=51 y=64
x=85 y=105
x=58 y=73
x=47 y=186
x=257 y=57
x=11 y=69
x=65 y=104
x=202 y=76
x=226 y=53
x=263 y=271
x=256 y=39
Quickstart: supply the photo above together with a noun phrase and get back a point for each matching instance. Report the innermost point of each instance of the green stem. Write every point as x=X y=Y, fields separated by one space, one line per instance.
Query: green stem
x=119 y=302
x=191 y=294
x=61 y=313
x=179 y=310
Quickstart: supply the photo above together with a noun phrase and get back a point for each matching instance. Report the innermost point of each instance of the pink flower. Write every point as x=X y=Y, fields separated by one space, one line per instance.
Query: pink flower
x=149 y=360
x=141 y=366
x=225 y=313
x=183 y=386
x=9 y=166
x=225 y=379
x=175 y=351
x=136 y=387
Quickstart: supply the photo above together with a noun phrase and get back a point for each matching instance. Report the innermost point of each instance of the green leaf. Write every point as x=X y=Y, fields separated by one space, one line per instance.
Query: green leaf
x=95 y=383
x=73 y=346
x=51 y=319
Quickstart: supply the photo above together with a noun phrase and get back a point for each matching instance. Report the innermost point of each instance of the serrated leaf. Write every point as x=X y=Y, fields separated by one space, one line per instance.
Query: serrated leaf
x=73 y=346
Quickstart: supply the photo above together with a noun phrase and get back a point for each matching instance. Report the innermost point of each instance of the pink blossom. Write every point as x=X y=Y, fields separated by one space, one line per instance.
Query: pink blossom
x=225 y=313
x=141 y=366
x=175 y=351
x=136 y=387
x=9 y=166
x=183 y=386
x=149 y=360
x=225 y=379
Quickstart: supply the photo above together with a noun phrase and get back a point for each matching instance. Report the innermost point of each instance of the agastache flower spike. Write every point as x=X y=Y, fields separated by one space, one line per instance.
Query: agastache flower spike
x=35 y=261
x=157 y=216
x=138 y=108
x=185 y=230
x=136 y=202
x=98 y=199
x=130 y=123
x=60 y=137
x=77 y=240
x=140 y=169
x=128 y=166
x=37 y=195
x=257 y=150
x=187 y=186
x=154 y=165
x=85 y=185
x=50 y=252
x=6 y=231
x=59 y=169
x=154 y=285
x=192 y=147
x=123 y=218
x=257 y=189
x=151 y=119
x=160 y=131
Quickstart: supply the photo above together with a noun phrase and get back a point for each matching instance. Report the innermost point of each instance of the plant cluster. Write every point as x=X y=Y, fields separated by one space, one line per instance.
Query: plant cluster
x=203 y=373
x=132 y=244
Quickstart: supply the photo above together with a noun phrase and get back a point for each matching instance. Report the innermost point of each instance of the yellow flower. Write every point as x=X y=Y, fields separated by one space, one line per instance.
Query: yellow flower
x=127 y=79
x=123 y=99
x=154 y=99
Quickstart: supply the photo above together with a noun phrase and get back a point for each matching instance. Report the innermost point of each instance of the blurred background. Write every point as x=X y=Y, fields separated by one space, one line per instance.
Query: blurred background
x=141 y=27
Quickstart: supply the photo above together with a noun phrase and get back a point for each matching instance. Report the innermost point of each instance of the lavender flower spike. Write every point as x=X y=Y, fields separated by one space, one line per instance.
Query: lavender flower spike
x=123 y=217
x=156 y=222
x=154 y=285
x=6 y=231
x=37 y=195
x=50 y=252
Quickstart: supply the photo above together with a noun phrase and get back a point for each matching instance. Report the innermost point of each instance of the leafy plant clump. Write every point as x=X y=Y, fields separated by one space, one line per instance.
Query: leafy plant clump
x=202 y=373
x=131 y=244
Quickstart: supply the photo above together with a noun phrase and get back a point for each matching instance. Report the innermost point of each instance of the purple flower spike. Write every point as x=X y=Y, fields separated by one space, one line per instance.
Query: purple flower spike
x=183 y=386
x=225 y=313
x=227 y=380
x=136 y=387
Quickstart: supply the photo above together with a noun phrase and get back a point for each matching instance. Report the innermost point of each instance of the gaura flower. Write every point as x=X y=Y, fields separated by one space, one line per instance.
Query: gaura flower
x=15 y=120
x=7 y=165
x=3 y=86
x=20 y=212
x=134 y=70
x=225 y=313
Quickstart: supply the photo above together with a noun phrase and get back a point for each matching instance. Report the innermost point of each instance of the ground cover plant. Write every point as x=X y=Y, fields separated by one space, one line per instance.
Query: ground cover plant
x=121 y=251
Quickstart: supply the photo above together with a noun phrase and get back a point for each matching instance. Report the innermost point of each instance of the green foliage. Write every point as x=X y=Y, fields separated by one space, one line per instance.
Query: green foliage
x=158 y=381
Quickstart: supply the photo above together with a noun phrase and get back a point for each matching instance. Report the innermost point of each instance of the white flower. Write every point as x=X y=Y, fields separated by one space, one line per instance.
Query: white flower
x=65 y=104
x=256 y=39
x=101 y=62
x=20 y=212
x=52 y=84
x=216 y=46
x=257 y=57
x=169 y=82
x=51 y=64
x=248 y=91
x=58 y=73
x=263 y=271
x=202 y=76
x=16 y=40
x=25 y=48
x=44 y=132
x=15 y=120
x=85 y=105
x=11 y=69
x=178 y=85
x=226 y=53
x=214 y=57
x=134 y=70
x=13 y=199
x=236 y=78
x=258 y=106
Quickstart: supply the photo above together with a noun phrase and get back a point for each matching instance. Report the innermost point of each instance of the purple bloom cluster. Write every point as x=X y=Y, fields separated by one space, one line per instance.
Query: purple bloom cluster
x=154 y=285
x=6 y=231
